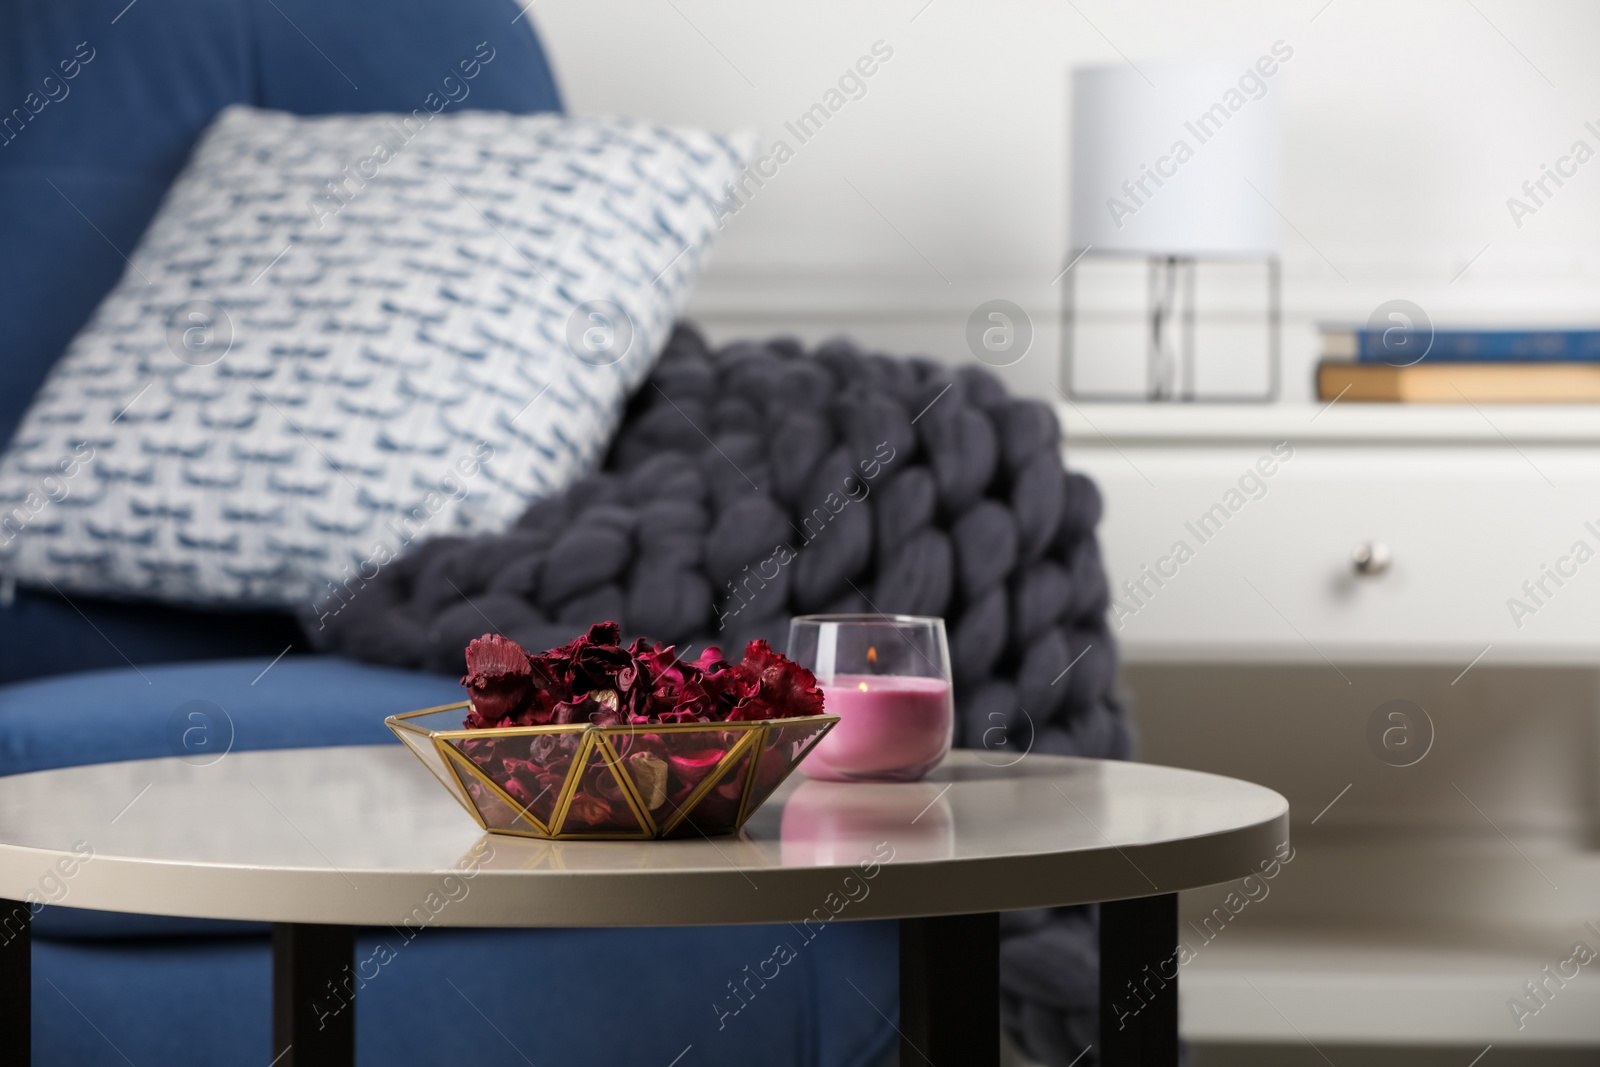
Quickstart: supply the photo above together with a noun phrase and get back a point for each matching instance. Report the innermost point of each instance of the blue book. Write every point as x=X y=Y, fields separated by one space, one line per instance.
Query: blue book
x=1462 y=346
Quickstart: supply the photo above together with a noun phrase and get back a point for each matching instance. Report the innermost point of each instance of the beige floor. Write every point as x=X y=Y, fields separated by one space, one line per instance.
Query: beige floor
x=1348 y=1056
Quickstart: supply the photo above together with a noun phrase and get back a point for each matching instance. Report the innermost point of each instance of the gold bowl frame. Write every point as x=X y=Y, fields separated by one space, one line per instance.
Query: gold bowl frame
x=760 y=756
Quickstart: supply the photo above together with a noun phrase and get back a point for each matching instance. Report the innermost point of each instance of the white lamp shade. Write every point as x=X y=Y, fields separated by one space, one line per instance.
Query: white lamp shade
x=1186 y=167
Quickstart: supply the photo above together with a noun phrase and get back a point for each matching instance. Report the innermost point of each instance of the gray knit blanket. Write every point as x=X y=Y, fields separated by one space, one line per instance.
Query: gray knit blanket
x=759 y=481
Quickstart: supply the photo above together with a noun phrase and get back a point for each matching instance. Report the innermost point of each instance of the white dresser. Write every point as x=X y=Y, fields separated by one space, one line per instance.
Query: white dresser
x=1284 y=575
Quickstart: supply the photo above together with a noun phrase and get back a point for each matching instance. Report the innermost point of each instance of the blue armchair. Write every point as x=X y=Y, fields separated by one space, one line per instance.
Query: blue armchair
x=105 y=98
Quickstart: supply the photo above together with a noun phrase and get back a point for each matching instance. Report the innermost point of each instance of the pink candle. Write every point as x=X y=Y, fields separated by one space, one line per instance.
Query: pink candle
x=891 y=728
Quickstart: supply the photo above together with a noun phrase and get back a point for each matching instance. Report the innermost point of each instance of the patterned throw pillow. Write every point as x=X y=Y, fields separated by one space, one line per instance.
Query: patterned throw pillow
x=344 y=333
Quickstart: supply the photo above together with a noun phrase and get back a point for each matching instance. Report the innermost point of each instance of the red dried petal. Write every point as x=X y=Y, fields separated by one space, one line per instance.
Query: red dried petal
x=788 y=690
x=495 y=654
x=586 y=810
x=499 y=680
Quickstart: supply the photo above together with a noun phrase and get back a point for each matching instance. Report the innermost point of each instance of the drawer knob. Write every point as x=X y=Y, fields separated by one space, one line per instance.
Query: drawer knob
x=1372 y=557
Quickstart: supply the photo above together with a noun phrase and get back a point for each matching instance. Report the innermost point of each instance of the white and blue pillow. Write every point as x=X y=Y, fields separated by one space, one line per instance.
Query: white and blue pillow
x=345 y=333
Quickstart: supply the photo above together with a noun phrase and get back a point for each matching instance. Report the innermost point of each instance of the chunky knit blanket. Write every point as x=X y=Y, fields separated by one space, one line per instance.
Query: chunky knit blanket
x=756 y=482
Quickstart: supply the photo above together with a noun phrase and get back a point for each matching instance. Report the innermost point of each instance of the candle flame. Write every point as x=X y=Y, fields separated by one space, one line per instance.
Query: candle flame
x=872 y=655
x=861 y=686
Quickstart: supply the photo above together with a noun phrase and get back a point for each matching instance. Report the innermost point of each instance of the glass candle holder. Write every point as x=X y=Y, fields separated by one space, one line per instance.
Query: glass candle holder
x=887 y=677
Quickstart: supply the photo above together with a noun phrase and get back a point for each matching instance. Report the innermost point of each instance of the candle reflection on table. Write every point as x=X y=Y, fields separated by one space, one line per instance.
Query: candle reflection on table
x=840 y=822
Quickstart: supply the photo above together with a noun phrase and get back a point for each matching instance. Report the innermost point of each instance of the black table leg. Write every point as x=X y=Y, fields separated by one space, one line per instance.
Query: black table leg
x=313 y=995
x=1139 y=982
x=16 y=982
x=950 y=991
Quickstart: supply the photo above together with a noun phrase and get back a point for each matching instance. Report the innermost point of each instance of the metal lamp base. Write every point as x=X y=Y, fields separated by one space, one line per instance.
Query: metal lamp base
x=1170 y=312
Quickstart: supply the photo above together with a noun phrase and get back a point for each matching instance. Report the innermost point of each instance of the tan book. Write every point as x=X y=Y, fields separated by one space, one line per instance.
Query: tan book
x=1459 y=383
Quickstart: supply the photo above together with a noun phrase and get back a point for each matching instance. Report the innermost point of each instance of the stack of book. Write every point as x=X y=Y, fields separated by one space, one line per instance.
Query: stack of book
x=1461 y=366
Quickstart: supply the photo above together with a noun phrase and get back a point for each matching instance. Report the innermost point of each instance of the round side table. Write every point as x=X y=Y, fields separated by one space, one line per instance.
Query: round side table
x=319 y=841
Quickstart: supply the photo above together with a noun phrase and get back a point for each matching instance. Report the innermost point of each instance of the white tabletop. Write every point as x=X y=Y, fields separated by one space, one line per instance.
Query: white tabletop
x=367 y=836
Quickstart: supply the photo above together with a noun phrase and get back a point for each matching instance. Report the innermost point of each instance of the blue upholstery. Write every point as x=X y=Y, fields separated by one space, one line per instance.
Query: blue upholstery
x=115 y=134
x=43 y=633
x=303 y=701
x=590 y=998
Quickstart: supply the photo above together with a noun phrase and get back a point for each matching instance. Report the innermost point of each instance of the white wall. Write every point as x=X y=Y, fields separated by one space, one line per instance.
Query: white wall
x=1406 y=126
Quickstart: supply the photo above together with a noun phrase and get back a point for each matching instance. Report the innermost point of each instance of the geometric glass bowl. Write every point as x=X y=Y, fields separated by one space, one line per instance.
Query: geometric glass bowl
x=609 y=782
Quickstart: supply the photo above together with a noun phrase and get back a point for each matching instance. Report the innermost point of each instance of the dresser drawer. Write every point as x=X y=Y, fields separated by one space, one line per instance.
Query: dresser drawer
x=1245 y=550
